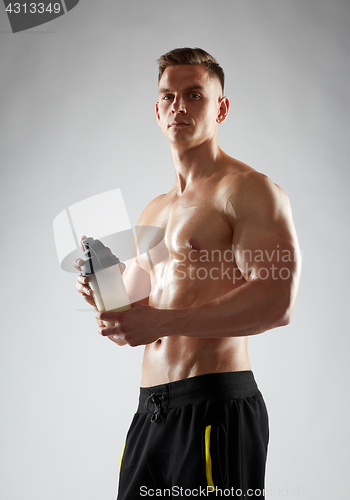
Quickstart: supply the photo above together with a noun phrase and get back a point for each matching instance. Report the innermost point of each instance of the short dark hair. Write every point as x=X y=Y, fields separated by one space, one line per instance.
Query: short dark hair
x=196 y=56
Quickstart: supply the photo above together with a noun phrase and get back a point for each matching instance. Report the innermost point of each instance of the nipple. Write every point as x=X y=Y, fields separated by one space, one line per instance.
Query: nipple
x=193 y=244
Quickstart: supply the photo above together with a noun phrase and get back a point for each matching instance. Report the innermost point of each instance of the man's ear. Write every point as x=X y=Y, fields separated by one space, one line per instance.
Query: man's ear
x=224 y=106
x=157 y=112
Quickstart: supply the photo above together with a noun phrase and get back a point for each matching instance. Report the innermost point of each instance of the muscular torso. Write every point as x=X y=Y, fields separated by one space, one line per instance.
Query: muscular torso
x=191 y=262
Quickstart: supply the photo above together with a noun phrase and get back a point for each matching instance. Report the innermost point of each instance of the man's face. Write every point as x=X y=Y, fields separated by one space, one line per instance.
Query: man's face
x=189 y=104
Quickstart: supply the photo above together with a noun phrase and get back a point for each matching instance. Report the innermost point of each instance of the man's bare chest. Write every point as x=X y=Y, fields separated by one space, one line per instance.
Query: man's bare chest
x=186 y=225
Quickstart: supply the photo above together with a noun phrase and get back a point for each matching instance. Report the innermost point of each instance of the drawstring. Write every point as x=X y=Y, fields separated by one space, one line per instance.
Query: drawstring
x=155 y=399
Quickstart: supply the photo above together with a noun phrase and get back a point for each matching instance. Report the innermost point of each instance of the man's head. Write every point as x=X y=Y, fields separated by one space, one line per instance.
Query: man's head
x=196 y=56
x=190 y=104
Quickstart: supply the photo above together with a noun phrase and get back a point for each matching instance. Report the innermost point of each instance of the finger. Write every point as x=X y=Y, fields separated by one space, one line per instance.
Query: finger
x=81 y=244
x=117 y=340
x=110 y=316
x=80 y=285
x=85 y=290
x=84 y=281
x=89 y=300
x=106 y=331
x=77 y=263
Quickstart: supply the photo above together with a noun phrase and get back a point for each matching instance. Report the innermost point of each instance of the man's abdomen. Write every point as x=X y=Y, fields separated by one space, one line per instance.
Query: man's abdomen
x=176 y=358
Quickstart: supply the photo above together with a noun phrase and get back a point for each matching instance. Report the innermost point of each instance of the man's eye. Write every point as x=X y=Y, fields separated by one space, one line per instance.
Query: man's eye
x=195 y=95
x=167 y=97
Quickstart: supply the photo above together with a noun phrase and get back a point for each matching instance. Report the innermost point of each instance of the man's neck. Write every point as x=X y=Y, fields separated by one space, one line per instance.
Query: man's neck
x=195 y=163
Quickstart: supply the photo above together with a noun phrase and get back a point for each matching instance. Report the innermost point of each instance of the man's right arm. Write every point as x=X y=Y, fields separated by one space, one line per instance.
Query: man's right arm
x=137 y=281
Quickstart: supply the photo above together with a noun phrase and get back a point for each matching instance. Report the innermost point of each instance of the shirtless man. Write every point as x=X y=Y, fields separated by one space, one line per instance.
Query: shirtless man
x=227 y=268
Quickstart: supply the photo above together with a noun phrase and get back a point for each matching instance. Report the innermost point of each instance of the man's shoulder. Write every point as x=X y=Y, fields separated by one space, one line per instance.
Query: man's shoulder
x=249 y=190
x=257 y=184
x=152 y=204
x=151 y=207
x=237 y=172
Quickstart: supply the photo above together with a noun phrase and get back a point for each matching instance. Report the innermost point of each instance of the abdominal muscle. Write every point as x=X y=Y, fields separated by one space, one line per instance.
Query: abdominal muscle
x=179 y=357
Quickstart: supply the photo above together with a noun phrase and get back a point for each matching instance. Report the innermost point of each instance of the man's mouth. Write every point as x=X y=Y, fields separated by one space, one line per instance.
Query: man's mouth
x=178 y=124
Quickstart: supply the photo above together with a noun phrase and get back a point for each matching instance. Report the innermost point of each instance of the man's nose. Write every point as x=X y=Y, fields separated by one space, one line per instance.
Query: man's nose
x=178 y=105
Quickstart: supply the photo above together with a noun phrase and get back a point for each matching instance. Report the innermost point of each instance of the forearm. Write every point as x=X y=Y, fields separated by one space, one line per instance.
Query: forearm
x=252 y=308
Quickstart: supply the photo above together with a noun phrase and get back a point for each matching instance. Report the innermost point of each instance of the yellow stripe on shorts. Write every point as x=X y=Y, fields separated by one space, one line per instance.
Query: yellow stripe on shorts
x=208 y=463
x=121 y=458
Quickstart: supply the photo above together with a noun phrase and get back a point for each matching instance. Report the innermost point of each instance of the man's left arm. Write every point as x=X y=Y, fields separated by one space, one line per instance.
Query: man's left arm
x=267 y=254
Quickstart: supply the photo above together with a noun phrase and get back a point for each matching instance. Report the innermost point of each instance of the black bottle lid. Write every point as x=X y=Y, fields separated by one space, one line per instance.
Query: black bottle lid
x=96 y=257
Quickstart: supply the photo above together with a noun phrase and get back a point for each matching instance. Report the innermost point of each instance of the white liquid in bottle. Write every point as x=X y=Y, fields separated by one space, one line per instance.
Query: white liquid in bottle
x=106 y=281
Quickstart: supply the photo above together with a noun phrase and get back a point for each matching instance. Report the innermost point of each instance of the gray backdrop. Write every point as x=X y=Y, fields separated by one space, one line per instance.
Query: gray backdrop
x=77 y=119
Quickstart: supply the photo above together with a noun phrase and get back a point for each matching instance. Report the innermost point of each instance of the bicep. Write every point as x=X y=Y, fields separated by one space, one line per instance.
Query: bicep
x=137 y=282
x=265 y=241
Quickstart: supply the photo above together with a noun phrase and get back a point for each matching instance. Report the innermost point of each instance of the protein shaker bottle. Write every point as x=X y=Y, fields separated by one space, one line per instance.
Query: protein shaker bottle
x=101 y=267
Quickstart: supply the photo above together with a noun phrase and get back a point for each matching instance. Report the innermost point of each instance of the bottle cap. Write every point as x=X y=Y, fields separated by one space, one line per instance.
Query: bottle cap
x=96 y=257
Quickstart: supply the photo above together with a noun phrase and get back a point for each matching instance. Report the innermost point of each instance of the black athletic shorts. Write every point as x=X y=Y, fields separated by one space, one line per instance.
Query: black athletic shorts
x=200 y=437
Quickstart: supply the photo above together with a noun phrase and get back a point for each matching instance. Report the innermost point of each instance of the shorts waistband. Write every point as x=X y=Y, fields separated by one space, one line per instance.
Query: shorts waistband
x=194 y=390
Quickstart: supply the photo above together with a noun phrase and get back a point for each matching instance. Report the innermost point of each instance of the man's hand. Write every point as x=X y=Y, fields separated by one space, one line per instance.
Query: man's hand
x=82 y=284
x=139 y=325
